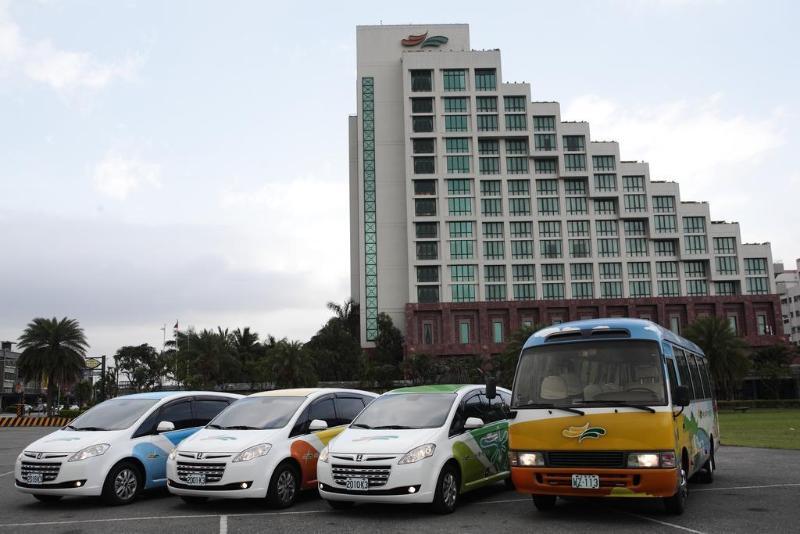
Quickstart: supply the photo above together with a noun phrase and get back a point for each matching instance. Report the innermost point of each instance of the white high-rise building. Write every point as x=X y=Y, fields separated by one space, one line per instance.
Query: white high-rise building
x=787 y=282
x=475 y=210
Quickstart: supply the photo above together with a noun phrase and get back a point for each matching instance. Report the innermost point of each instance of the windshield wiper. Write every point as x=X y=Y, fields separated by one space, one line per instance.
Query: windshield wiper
x=241 y=427
x=620 y=404
x=550 y=406
x=392 y=427
x=70 y=426
x=213 y=425
x=90 y=428
x=360 y=425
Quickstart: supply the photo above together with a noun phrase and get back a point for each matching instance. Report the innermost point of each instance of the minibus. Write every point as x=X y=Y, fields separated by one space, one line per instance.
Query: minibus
x=611 y=408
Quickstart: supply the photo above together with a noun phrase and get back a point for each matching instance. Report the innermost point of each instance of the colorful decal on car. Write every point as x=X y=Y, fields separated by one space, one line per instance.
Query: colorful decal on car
x=374 y=438
x=584 y=432
x=305 y=450
x=482 y=453
x=63 y=439
x=220 y=438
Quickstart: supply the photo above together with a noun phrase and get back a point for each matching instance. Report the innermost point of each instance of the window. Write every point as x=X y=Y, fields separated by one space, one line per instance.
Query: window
x=459 y=206
x=582 y=290
x=639 y=289
x=553 y=291
x=179 y=414
x=636 y=246
x=523 y=273
x=605 y=182
x=755 y=266
x=422 y=105
x=577 y=206
x=519 y=187
x=487 y=103
x=455 y=104
x=758 y=286
x=724 y=245
x=603 y=163
x=581 y=271
x=207 y=409
x=462 y=249
x=427 y=294
x=610 y=271
x=635 y=228
x=668 y=288
x=694 y=269
x=696 y=287
x=488 y=146
x=463 y=332
x=456 y=123
x=422 y=124
x=521 y=229
x=544 y=142
x=545 y=166
x=548 y=206
x=667 y=269
x=428 y=273
x=423 y=146
x=495 y=292
x=549 y=229
x=495 y=273
x=611 y=290
x=639 y=269
x=575 y=162
x=761 y=325
x=427 y=250
x=694 y=225
x=463 y=292
x=485 y=79
x=424 y=207
x=493 y=250
x=725 y=288
x=426 y=229
x=607 y=228
x=492 y=207
x=635 y=203
x=424 y=187
x=490 y=188
x=665 y=224
x=458 y=164
x=550 y=248
x=497 y=331
x=454 y=79
x=664 y=247
x=489 y=165
x=695 y=244
x=487 y=123
x=605 y=207
x=493 y=229
x=552 y=271
x=633 y=183
x=347 y=408
x=459 y=186
x=516 y=146
x=544 y=123
x=524 y=291
x=546 y=187
x=575 y=186
x=726 y=265
x=423 y=165
x=580 y=248
x=578 y=228
x=663 y=204
x=514 y=103
x=517 y=165
x=421 y=80
x=574 y=143
x=521 y=249
x=675 y=324
x=608 y=247
x=516 y=122
x=519 y=206
x=460 y=228
x=456 y=144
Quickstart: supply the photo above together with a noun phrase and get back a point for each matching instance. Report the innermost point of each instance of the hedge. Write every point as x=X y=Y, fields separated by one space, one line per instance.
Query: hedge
x=759 y=403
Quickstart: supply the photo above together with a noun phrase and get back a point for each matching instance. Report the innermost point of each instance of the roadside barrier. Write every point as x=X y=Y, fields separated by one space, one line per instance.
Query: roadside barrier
x=34 y=421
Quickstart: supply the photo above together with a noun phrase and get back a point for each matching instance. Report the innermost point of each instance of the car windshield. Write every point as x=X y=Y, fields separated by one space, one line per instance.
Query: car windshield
x=114 y=414
x=257 y=413
x=406 y=410
x=593 y=373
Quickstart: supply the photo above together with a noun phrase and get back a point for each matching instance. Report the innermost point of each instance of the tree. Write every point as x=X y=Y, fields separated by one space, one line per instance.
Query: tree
x=142 y=365
x=388 y=350
x=504 y=365
x=53 y=352
x=336 y=354
x=349 y=315
x=106 y=387
x=421 y=369
x=83 y=392
x=725 y=352
x=289 y=365
x=771 y=365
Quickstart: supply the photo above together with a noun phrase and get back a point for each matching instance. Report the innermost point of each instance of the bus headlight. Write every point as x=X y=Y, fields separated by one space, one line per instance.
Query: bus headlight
x=643 y=459
x=525 y=459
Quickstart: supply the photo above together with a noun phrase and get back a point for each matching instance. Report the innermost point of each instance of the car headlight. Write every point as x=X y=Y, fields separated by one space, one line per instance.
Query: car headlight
x=173 y=453
x=420 y=453
x=525 y=459
x=253 y=452
x=324 y=456
x=643 y=459
x=89 y=452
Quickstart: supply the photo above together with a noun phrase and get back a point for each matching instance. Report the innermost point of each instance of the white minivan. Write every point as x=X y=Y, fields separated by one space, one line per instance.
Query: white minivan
x=424 y=444
x=117 y=448
x=264 y=445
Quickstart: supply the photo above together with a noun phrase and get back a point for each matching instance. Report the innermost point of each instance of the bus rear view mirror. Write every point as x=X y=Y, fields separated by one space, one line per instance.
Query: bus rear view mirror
x=491 y=387
x=681 y=396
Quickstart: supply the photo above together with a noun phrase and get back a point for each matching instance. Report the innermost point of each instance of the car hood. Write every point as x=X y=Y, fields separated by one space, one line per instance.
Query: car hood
x=73 y=440
x=218 y=440
x=365 y=441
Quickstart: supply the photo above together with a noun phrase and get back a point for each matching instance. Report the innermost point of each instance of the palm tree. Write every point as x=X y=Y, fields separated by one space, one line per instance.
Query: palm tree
x=348 y=314
x=53 y=352
x=725 y=352
x=504 y=365
x=289 y=365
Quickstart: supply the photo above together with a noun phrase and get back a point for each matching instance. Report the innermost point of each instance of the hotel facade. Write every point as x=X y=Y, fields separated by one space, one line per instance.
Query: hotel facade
x=475 y=210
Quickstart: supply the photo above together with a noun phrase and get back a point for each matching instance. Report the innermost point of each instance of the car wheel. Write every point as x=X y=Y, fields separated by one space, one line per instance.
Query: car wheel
x=123 y=484
x=544 y=503
x=341 y=505
x=191 y=499
x=445 y=498
x=284 y=486
x=676 y=504
x=509 y=483
x=47 y=498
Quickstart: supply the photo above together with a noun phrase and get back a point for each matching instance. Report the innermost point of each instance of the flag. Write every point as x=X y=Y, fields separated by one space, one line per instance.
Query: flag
x=176 y=326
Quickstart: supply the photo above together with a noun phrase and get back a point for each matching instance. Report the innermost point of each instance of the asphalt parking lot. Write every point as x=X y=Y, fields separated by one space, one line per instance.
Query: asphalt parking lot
x=756 y=490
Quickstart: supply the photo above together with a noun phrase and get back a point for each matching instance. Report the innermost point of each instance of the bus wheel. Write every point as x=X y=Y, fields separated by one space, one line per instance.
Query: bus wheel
x=706 y=474
x=676 y=504
x=544 y=503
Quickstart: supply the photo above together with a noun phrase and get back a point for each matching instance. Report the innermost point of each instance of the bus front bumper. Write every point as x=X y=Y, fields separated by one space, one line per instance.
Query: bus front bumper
x=613 y=482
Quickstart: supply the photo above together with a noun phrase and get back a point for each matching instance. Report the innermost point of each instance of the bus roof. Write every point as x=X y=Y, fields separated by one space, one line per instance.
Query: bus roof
x=635 y=328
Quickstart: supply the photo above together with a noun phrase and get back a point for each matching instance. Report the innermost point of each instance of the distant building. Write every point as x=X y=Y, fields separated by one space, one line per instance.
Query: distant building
x=474 y=211
x=10 y=373
x=787 y=282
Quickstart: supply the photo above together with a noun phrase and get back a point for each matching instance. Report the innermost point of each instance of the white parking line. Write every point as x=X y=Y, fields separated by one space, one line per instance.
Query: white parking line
x=790 y=485
x=223 y=524
x=501 y=502
x=664 y=523
x=4 y=474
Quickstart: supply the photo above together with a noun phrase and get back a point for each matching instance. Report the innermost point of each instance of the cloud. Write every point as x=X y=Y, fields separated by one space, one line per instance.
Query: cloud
x=63 y=70
x=117 y=176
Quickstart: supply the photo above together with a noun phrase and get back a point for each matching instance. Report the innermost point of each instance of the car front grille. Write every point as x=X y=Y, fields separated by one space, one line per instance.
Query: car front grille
x=606 y=459
x=213 y=471
x=49 y=470
x=378 y=475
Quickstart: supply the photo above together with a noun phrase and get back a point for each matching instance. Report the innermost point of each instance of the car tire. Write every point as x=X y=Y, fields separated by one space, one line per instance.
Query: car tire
x=284 y=486
x=123 y=484
x=544 y=503
x=445 y=498
x=193 y=499
x=676 y=504
x=47 y=498
x=341 y=505
x=509 y=483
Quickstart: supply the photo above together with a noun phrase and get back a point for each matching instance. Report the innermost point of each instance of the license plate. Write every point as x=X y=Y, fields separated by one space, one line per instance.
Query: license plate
x=358 y=484
x=196 y=479
x=586 y=481
x=35 y=478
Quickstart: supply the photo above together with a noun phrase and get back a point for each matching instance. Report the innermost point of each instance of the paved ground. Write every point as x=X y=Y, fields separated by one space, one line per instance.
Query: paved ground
x=756 y=490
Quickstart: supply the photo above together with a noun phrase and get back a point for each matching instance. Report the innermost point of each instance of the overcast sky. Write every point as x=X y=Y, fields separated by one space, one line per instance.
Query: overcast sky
x=188 y=160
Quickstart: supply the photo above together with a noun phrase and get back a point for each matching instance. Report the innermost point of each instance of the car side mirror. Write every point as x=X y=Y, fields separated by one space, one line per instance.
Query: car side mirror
x=473 y=423
x=681 y=396
x=165 y=426
x=491 y=387
x=317 y=425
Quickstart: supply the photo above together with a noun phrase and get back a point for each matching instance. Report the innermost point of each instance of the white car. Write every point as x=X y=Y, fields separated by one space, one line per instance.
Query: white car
x=264 y=445
x=425 y=444
x=117 y=448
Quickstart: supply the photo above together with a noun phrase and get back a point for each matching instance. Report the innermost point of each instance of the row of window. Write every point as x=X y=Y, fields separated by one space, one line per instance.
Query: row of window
x=453 y=80
x=516 y=186
x=547 y=229
x=461 y=104
x=548 y=206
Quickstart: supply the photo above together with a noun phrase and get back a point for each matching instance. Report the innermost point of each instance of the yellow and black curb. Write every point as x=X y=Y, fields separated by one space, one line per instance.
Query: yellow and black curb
x=34 y=421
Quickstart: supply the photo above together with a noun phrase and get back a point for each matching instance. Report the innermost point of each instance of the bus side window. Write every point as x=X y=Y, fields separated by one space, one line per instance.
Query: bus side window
x=705 y=374
x=673 y=378
x=683 y=370
x=695 y=372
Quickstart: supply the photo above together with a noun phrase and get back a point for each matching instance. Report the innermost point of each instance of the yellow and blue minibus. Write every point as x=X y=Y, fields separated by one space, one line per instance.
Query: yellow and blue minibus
x=611 y=408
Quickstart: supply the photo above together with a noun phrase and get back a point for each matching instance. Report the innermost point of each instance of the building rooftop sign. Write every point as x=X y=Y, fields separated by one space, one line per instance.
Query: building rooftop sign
x=433 y=41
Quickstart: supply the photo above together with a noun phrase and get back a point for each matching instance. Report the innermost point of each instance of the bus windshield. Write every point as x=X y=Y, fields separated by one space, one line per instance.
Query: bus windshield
x=593 y=373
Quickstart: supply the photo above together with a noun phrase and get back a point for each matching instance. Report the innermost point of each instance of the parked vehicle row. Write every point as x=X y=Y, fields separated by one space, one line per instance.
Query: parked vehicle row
x=601 y=408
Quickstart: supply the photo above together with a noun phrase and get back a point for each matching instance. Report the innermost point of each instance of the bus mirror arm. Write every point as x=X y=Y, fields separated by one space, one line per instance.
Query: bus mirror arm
x=681 y=397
